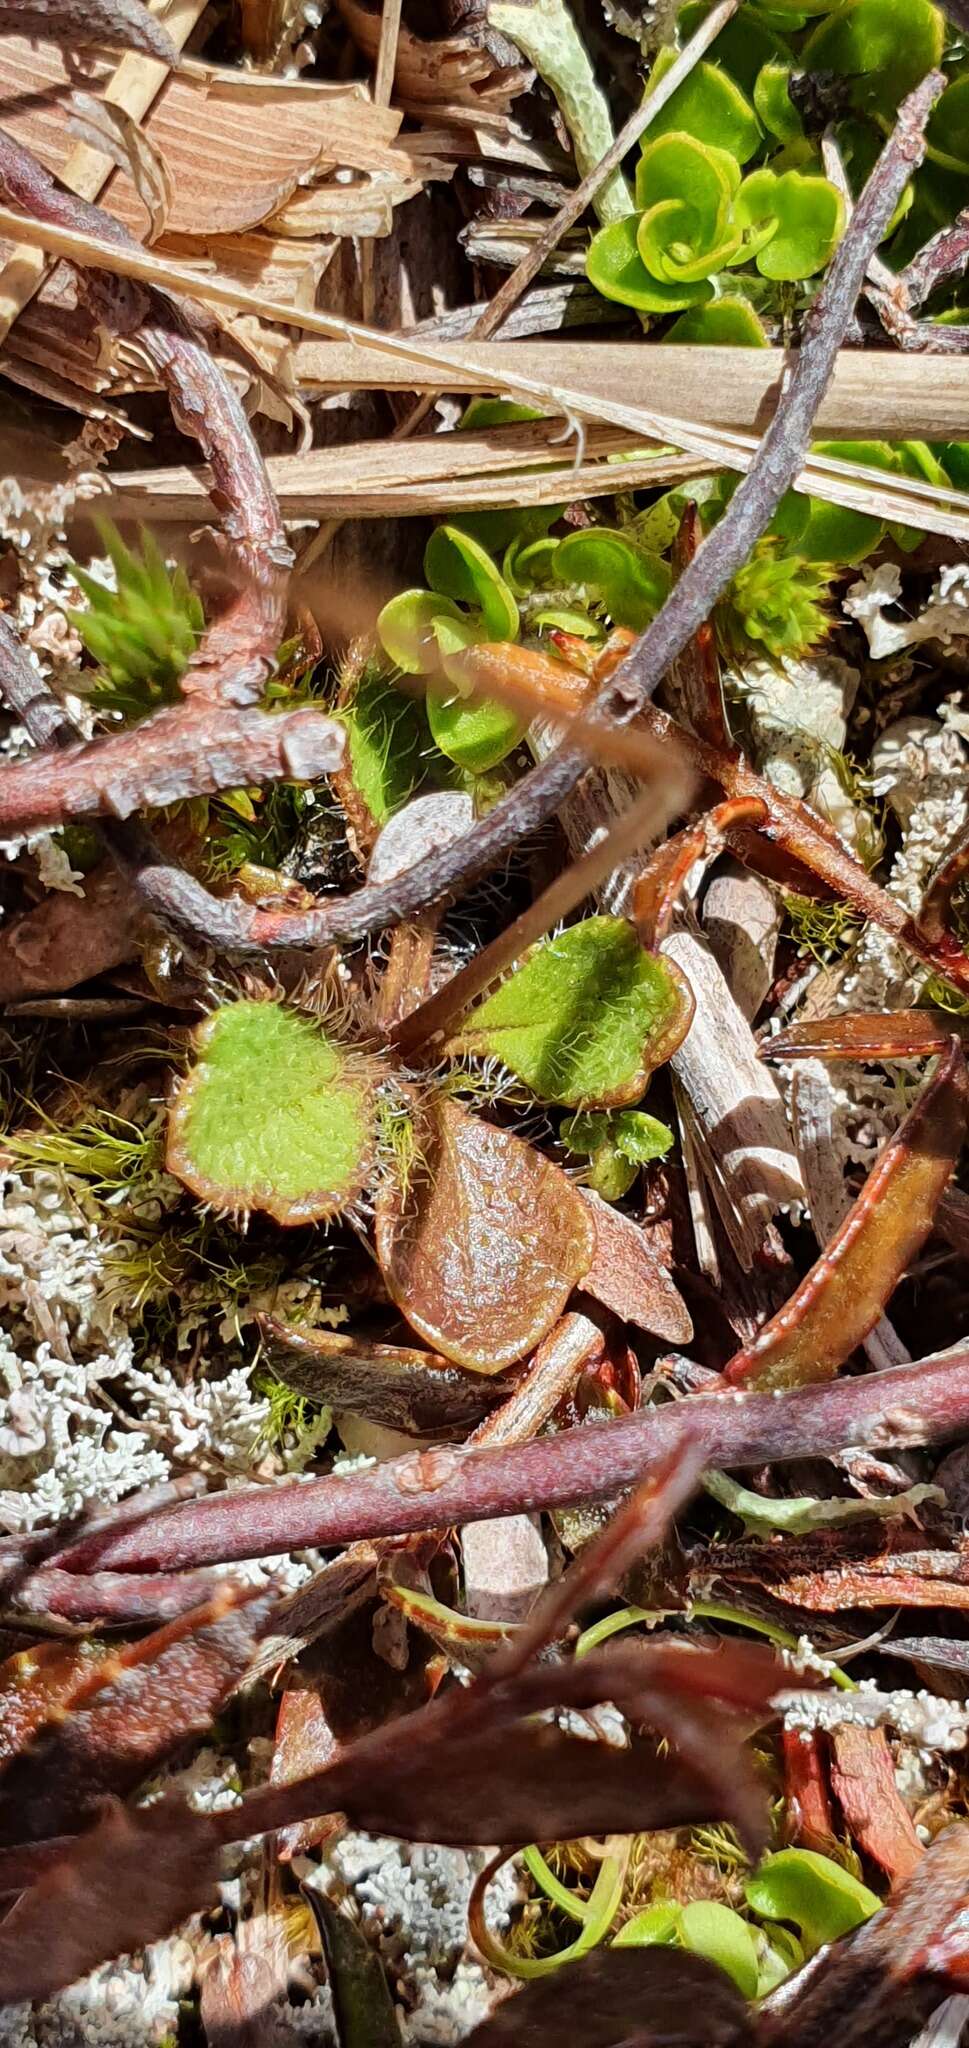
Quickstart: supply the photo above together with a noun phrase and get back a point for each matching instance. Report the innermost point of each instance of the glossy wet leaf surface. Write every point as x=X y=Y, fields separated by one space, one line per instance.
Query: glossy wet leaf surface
x=586 y=1017
x=483 y=1251
x=272 y=1115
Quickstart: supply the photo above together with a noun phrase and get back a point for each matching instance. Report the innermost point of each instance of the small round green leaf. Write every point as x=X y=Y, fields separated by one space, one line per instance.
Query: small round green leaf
x=474 y=733
x=807 y=213
x=884 y=46
x=461 y=568
x=586 y=1017
x=386 y=738
x=617 y=1142
x=773 y=102
x=723 y=323
x=272 y=1115
x=710 y=106
x=654 y=1925
x=630 y=583
x=817 y=1896
x=406 y=630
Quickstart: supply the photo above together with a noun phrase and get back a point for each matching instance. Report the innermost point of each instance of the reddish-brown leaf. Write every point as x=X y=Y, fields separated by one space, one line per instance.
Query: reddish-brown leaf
x=418 y=1392
x=807 y=1807
x=122 y=1717
x=867 y=1035
x=843 y=1295
x=305 y=1742
x=863 y=1781
x=658 y=888
x=627 y=1277
x=126 y=1883
x=484 y=1249
x=36 y=1685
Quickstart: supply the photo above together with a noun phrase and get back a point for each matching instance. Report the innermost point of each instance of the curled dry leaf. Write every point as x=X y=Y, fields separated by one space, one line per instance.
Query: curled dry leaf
x=418 y=1392
x=483 y=1250
x=124 y=1714
x=586 y=1018
x=622 y=1998
x=111 y=130
x=843 y=1295
x=273 y=1115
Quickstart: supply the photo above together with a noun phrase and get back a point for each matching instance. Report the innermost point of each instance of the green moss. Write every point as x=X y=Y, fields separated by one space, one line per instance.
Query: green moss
x=142 y=635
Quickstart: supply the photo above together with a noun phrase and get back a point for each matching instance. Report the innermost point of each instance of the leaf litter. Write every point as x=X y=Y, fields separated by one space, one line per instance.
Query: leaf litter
x=411 y=1027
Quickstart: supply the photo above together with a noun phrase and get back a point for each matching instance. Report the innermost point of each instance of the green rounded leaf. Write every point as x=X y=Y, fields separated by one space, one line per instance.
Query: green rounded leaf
x=710 y=106
x=654 y=1925
x=461 y=568
x=807 y=215
x=586 y=1017
x=475 y=734
x=495 y=412
x=614 y=265
x=715 y=1931
x=405 y=628
x=631 y=584
x=685 y=232
x=272 y=1115
x=817 y=1896
x=741 y=49
x=884 y=46
x=723 y=323
x=773 y=102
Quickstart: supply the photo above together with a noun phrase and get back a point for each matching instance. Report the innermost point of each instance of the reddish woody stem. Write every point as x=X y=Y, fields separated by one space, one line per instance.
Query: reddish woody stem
x=434 y=1489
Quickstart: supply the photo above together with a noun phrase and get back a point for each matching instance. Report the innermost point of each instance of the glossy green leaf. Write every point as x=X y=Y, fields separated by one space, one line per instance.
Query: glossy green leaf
x=585 y=1018
x=884 y=46
x=741 y=49
x=655 y=1925
x=773 y=102
x=406 y=630
x=808 y=214
x=462 y=569
x=475 y=733
x=685 y=187
x=723 y=323
x=630 y=583
x=710 y=1929
x=817 y=1896
x=614 y=265
x=617 y=1142
x=272 y=1115
x=709 y=106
